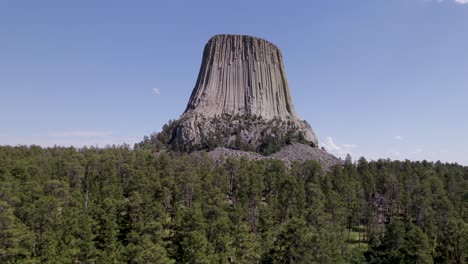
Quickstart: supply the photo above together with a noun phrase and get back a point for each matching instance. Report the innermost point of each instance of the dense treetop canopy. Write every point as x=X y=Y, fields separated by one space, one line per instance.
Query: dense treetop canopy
x=123 y=205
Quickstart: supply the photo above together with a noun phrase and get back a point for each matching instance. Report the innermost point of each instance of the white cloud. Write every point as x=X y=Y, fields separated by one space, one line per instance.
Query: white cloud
x=455 y=1
x=395 y=155
x=417 y=151
x=78 y=138
x=156 y=91
x=80 y=134
x=350 y=146
x=330 y=145
x=398 y=137
x=340 y=150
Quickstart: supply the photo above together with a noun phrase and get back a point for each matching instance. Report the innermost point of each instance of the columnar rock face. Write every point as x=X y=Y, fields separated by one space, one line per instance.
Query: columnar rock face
x=242 y=82
x=242 y=75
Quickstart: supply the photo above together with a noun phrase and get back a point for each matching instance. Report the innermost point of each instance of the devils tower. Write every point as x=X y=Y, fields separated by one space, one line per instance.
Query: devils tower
x=241 y=98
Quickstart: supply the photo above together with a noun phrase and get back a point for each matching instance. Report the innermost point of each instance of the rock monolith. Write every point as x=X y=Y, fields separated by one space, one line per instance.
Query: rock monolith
x=241 y=97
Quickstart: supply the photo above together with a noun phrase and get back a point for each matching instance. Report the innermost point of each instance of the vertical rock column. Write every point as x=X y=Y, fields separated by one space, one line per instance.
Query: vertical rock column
x=240 y=75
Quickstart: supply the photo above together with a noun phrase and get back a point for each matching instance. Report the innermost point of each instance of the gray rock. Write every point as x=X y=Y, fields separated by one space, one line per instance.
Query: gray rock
x=301 y=152
x=241 y=78
x=288 y=154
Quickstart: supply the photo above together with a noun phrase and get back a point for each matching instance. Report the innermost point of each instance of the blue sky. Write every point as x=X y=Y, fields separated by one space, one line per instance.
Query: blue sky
x=379 y=78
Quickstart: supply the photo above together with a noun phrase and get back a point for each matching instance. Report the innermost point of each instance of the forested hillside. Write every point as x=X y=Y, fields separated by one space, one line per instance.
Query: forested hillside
x=118 y=205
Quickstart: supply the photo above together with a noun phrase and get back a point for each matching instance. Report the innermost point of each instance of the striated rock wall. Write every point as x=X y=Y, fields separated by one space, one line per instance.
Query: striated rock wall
x=240 y=76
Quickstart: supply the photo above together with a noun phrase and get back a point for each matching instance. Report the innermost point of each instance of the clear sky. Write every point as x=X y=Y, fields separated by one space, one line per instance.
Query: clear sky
x=379 y=78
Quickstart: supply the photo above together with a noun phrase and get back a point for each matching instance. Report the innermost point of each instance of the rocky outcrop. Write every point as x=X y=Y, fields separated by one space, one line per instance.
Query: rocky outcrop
x=301 y=152
x=289 y=154
x=241 y=94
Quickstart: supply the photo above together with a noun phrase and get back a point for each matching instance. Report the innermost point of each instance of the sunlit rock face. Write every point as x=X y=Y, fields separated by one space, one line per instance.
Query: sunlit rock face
x=241 y=93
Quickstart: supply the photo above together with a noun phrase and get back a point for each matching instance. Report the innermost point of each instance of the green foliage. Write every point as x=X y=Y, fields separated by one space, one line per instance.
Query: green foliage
x=118 y=205
x=401 y=243
x=16 y=240
x=273 y=138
